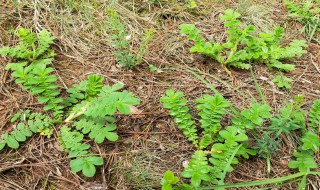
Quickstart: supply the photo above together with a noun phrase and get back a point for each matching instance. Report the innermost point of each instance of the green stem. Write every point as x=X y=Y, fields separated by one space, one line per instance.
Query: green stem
x=262 y=182
x=76 y=114
x=257 y=87
x=221 y=181
x=212 y=88
x=268 y=162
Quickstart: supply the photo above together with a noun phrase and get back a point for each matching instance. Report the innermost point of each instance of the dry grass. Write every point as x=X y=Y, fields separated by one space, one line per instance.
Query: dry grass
x=150 y=143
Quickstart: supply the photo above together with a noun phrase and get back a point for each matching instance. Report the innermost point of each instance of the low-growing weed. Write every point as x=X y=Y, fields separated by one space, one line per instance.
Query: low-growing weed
x=217 y=142
x=307 y=13
x=283 y=81
x=243 y=46
x=121 y=41
x=87 y=112
x=219 y=147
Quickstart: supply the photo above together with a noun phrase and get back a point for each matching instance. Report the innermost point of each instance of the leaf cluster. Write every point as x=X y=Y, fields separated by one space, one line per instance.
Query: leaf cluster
x=307 y=13
x=224 y=142
x=32 y=69
x=243 y=46
x=176 y=104
x=120 y=40
x=91 y=103
x=93 y=116
x=290 y=118
x=71 y=141
x=310 y=142
x=27 y=125
x=283 y=81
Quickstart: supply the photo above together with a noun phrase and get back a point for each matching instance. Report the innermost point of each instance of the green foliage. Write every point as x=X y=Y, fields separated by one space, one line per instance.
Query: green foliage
x=231 y=138
x=252 y=117
x=314 y=115
x=168 y=180
x=31 y=47
x=71 y=142
x=283 y=81
x=198 y=169
x=243 y=47
x=93 y=116
x=86 y=165
x=290 y=118
x=32 y=69
x=120 y=40
x=28 y=125
x=304 y=161
x=212 y=109
x=91 y=103
x=108 y=101
x=144 y=45
x=310 y=141
x=175 y=102
x=306 y=13
x=226 y=142
x=97 y=131
x=230 y=142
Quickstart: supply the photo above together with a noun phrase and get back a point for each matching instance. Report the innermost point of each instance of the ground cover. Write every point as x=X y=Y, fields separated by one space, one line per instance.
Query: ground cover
x=137 y=47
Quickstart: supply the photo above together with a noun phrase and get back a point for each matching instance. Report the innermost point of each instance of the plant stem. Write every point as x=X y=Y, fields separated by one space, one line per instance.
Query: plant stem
x=257 y=87
x=262 y=182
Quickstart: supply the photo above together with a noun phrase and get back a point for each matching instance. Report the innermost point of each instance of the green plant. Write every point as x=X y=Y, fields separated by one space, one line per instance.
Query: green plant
x=120 y=40
x=242 y=46
x=144 y=46
x=310 y=142
x=226 y=144
x=87 y=111
x=168 y=180
x=283 y=81
x=314 y=115
x=33 y=69
x=220 y=146
x=306 y=13
x=176 y=104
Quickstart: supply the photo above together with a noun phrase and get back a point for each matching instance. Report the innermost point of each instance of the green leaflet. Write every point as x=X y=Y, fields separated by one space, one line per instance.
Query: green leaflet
x=94 y=86
x=86 y=165
x=314 y=115
x=283 y=81
x=212 y=109
x=108 y=102
x=304 y=161
x=175 y=102
x=243 y=47
x=96 y=131
x=198 y=169
x=71 y=142
x=310 y=141
x=289 y=119
x=35 y=123
x=168 y=180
